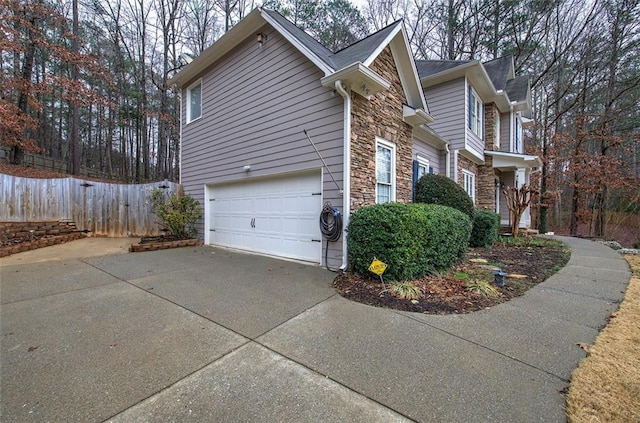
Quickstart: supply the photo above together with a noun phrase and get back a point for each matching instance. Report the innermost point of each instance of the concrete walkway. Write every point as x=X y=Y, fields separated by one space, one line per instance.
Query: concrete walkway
x=207 y=335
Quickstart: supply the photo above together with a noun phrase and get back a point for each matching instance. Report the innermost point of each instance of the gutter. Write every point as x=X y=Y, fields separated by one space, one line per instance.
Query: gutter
x=346 y=170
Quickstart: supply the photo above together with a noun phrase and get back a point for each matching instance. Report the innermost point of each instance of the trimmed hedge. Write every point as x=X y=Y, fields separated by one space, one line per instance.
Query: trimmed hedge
x=486 y=226
x=412 y=239
x=438 y=189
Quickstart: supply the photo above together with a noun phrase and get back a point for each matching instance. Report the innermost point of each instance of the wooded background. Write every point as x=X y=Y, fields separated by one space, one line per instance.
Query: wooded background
x=85 y=81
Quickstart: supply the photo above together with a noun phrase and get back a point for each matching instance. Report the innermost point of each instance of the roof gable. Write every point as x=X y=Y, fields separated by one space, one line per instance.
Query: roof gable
x=495 y=80
x=362 y=50
x=355 y=58
x=500 y=70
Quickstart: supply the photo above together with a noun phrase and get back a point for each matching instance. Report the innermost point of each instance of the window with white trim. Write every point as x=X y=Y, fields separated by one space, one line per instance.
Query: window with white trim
x=194 y=101
x=385 y=171
x=517 y=135
x=469 y=184
x=423 y=166
x=475 y=112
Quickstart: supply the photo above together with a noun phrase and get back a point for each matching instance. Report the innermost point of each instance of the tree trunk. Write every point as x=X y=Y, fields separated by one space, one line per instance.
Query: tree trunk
x=575 y=200
x=75 y=117
x=17 y=152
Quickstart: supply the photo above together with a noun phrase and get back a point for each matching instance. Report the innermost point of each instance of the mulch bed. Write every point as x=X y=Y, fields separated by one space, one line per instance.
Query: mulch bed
x=447 y=293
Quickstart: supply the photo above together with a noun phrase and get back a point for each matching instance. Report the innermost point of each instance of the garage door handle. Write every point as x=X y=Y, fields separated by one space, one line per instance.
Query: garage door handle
x=253 y=222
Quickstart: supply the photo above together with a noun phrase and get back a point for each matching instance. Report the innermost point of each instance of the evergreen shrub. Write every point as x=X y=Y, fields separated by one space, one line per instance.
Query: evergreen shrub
x=486 y=226
x=438 y=189
x=412 y=239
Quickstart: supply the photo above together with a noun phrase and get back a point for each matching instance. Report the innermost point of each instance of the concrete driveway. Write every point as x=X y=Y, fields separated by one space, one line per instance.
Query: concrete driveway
x=204 y=334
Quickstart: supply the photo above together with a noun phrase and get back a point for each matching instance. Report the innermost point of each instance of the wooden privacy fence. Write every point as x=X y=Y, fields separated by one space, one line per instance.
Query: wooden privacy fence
x=113 y=210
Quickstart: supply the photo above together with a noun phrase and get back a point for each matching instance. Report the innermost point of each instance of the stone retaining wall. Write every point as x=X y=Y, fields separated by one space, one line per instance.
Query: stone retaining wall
x=17 y=237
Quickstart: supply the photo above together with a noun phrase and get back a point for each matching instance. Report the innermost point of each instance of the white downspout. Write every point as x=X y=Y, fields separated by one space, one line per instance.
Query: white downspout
x=346 y=170
x=180 y=145
x=447 y=160
x=455 y=165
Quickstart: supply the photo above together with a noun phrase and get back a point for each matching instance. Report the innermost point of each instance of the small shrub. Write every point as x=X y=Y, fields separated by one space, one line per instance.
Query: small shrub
x=486 y=226
x=405 y=290
x=636 y=245
x=438 y=189
x=412 y=239
x=180 y=214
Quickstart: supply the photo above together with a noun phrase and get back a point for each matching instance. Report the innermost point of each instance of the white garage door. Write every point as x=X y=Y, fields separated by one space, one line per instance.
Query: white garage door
x=277 y=216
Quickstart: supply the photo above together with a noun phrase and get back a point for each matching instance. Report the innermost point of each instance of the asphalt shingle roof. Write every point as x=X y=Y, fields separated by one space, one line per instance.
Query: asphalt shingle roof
x=517 y=88
x=356 y=52
x=498 y=71
x=307 y=40
x=363 y=49
x=431 y=67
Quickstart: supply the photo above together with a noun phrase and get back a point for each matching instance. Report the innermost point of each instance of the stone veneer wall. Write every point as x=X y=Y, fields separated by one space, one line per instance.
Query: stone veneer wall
x=489 y=126
x=485 y=181
x=380 y=116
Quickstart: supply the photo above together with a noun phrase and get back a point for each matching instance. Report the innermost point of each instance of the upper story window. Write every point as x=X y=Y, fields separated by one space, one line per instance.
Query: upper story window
x=475 y=112
x=194 y=101
x=517 y=134
x=385 y=171
x=469 y=184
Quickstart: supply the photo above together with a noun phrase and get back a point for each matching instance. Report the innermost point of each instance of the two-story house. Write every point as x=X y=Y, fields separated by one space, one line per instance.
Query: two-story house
x=274 y=126
x=481 y=109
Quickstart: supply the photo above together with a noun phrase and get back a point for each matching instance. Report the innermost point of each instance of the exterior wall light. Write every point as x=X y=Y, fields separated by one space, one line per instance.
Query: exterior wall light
x=247 y=168
x=261 y=38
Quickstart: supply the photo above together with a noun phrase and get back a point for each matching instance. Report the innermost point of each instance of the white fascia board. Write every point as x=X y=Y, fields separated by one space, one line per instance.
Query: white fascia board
x=513 y=160
x=482 y=83
x=428 y=135
x=369 y=60
x=475 y=74
x=328 y=70
x=407 y=71
x=447 y=75
x=526 y=122
x=415 y=117
x=223 y=45
x=502 y=101
x=360 y=79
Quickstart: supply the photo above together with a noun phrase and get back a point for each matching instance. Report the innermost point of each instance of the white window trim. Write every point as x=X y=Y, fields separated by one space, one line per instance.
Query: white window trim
x=517 y=133
x=478 y=106
x=423 y=162
x=386 y=144
x=189 y=88
x=472 y=178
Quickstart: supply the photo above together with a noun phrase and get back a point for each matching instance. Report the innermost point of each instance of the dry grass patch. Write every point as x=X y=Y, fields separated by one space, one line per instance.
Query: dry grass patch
x=606 y=385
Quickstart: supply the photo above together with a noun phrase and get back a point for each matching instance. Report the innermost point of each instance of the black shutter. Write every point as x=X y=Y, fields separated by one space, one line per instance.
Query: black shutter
x=415 y=178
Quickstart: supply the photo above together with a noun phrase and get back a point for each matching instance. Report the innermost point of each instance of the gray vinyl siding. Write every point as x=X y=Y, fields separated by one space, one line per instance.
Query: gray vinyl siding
x=505 y=132
x=475 y=143
x=447 y=105
x=256 y=101
x=429 y=152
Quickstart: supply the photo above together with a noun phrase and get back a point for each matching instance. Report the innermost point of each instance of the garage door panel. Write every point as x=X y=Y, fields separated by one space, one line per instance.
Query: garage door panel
x=276 y=216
